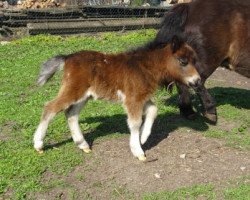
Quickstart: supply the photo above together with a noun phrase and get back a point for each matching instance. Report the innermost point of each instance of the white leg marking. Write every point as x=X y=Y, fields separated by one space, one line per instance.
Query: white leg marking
x=72 y=115
x=135 y=146
x=41 y=132
x=150 y=115
x=76 y=132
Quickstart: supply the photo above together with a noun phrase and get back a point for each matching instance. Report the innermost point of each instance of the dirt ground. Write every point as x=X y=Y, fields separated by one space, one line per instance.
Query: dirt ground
x=181 y=158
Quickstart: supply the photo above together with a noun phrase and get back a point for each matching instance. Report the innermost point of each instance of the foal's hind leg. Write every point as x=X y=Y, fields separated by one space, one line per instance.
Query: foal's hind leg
x=134 y=111
x=72 y=115
x=150 y=111
x=68 y=95
x=50 y=110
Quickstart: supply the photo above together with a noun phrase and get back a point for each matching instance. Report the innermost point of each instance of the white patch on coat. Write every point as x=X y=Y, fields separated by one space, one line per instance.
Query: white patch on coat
x=91 y=93
x=121 y=95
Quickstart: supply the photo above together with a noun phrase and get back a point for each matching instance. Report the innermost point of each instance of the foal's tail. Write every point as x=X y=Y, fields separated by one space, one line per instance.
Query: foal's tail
x=173 y=23
x=49 y=68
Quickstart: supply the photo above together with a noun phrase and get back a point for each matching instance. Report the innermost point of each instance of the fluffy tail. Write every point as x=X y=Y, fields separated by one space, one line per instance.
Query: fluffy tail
x=49 y=68
x=173 y=23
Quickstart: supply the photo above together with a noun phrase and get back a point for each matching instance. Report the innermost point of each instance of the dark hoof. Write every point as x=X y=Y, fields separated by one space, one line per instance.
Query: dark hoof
x=189 y=116
x=212 y=118
x=188 y=112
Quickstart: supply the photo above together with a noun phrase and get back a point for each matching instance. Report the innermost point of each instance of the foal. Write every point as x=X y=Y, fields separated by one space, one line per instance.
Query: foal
x=131 y=78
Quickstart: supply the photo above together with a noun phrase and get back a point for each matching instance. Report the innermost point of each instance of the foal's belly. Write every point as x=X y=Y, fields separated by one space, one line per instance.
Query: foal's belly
x=108 y=95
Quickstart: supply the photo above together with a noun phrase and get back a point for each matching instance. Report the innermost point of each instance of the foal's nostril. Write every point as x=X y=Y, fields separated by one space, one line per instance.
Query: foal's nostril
x=195 y=82
x=199 y=81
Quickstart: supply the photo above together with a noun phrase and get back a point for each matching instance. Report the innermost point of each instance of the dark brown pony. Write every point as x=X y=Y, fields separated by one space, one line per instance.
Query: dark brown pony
x=130 y=78
x=219 y=32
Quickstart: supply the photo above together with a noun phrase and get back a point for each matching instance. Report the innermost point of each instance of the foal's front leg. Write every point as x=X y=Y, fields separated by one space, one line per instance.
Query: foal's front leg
x=134 y=111
x=150 y=112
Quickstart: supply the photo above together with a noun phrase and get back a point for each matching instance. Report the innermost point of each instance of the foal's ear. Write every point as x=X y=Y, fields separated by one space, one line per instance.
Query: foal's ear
x=176 y=43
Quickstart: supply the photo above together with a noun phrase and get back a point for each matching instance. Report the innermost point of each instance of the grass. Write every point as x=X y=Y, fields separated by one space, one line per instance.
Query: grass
x=239 y=192
x=22 y=170
x=195 y=192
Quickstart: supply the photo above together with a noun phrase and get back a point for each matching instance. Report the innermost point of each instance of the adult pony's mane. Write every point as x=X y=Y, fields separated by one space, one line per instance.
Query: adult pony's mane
x=173 y=23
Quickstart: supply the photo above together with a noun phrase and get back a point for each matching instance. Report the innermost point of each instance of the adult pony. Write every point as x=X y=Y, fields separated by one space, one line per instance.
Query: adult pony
x=219 y=32
x=130 y=77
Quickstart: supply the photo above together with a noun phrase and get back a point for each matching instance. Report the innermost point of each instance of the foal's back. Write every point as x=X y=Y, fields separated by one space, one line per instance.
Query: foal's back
x=105 y=74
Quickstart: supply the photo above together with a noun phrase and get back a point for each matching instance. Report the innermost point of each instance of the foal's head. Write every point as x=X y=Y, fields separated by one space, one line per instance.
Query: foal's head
x=181 y=63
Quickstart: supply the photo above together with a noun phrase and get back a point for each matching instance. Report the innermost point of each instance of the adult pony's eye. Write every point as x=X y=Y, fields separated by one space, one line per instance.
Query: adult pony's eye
x=183 y=61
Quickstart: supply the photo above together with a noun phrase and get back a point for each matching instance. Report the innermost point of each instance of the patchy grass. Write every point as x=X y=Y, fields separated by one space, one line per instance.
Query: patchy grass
x=21 y=168
x=22 y=102
x=241 y=191
x=195 y=192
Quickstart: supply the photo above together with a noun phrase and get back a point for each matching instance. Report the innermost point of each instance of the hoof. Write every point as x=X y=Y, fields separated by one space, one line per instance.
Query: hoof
x=40 y=151
x=190 y=116
x=142 y=158
x=211 y=117
x=87 y=150
x=187 y=112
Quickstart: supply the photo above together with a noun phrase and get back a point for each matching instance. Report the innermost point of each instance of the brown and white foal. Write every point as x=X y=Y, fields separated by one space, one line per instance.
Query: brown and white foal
x=130 y=77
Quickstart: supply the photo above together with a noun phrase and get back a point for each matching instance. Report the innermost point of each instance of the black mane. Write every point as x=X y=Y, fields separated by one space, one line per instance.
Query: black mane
x=152 y=45
x=173 y=23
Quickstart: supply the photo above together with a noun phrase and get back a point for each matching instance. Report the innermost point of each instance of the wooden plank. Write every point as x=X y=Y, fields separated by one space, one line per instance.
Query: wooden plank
x=92 y=26
x=20 y=18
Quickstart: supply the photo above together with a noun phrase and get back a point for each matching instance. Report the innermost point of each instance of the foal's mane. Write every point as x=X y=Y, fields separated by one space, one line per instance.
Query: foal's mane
x=150 y=46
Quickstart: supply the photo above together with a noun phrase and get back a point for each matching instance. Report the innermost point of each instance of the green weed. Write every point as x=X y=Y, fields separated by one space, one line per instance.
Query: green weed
x=21 y=104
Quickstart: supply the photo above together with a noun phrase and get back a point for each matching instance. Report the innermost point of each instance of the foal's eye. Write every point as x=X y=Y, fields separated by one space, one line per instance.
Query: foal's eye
x=183 y=61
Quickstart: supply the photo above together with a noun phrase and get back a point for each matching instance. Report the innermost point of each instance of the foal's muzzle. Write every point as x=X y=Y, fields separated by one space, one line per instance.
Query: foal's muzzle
x=194 y=81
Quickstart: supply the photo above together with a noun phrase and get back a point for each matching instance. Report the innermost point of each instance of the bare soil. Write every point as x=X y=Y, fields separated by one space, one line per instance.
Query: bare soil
x=181 y=158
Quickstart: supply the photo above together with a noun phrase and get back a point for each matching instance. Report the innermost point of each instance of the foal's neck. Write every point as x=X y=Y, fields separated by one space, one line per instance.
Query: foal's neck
x=158 y=61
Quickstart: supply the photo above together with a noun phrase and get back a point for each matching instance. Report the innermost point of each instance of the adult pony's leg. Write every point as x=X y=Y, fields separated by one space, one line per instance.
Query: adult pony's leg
x=72 y=115
x=243 y=61
x=208 y=101
x=134 y=111
x=185 y=105
x=150 y=111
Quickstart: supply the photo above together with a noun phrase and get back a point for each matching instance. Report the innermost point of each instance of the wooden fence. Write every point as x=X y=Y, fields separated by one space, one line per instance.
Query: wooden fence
x=80 y=19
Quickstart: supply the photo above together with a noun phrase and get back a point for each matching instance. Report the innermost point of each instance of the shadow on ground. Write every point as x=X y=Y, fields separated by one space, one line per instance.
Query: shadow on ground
x=165 y=123
x=236 y=97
